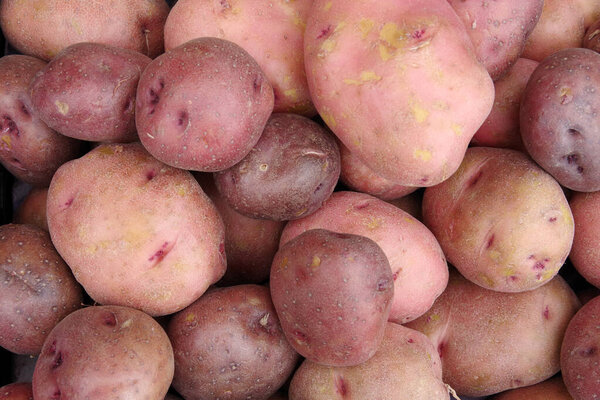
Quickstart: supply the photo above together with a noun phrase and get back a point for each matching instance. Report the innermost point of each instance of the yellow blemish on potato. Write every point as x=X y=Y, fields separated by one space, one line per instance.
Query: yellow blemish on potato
x=106 y=151
x=566 y=214
x=291 y=93
x=299 y=213
x=316 y=262
x=327 y=6
x=384 y=53
x=327 y=46
x=6 y=139
x=487 y=280
x=421 y=154
x=434 y=317
x=254 y=301
x=328 y=119
x=419 y=113
x=508 y=271
x=299 y=22
x=365 y=26
x=457 y=129
x=126 y=324
x=75 y=24
x=63 y=108
x=409 y=219
x=284 y=263
x=372 y=222
x=548 y=274
x=494 y=255
x=391 y=35
x=365 y=76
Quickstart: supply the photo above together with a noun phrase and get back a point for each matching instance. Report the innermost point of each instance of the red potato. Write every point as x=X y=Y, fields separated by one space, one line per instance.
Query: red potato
x=32 y=209
x=43 y=28
x=203 y=105
x=416 y=259
x=390 y=78
x=16 y=391
x=272 y=33
x=490 y=342
x=502 y=221
x=551 y=389
x=585 y=254
x=591 y=40
x=135 y=231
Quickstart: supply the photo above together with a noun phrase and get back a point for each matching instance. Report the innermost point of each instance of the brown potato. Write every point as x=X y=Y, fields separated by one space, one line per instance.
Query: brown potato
x=32 y=209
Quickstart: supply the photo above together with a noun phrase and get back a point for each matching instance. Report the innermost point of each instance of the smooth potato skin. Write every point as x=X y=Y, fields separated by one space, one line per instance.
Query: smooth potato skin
x=87 y=92
x=105 y=352
x=591 y=11
x=521 y=332
x=355 y=53
x=32 y=209
x=502 y=221
x=560 y=118
x=551 y=389
x=16 y=391
x=33 y=27
x=585 y=252
x=272 y=33
x=591 y=40
x=405 y=367
x=229 y=344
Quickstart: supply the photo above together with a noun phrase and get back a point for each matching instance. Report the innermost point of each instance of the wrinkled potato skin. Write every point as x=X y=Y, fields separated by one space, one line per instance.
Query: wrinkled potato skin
x=591 y=39
x=560 y=118
x=29 y=150
x=560 y=26
x=33 y=27
x=522 y=332
x=135 y=231
x=271 y=32
x=501 y=128
x=229 y=344
x=87 y=92
x=498 y=30
x=287 y=175
x=550 y=389
x=105 y=352
x=415 y=134
x=16 y=391
x=32 y=209
x=405 y=367
x=203 y=105
x=417 y=262
x=502 y=221
x=38 y=289
x=585 y=253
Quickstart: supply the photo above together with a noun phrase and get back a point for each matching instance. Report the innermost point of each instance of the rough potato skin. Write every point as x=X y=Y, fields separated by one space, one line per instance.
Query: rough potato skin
x=32 y=209
x=87 y=92
x=135 y=231
x=550 y=389
x=229 y=345
x=105 y=352
x=203 y=105
x=585 y=253
x=521 y=332
x=43 y=28
x=287 y=175
x=16 y=391
x=405 y=367
x=29 y=150
x=560 y=118
x=591 y=40
x=333 y=293
x=38 y=289
x=502 y=221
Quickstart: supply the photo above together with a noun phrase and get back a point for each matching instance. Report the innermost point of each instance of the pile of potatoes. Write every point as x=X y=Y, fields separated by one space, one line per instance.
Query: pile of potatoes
x=301 y=199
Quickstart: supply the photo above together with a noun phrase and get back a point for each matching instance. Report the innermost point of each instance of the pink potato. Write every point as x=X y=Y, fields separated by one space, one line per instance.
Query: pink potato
x=32 y=209
x=405 y=367
x=591 y=40
x=502 y=221
x=87 y=92
x=105 y=352
x=390 y=79
x=550 y=389
x=490 y=341
x=591 y=11
x=501 y=128
x=272 y=33
x=585 y=254
x=203 y=105
x=29 y=150
x=135 y=231
x=16 y=391
x=498 y=29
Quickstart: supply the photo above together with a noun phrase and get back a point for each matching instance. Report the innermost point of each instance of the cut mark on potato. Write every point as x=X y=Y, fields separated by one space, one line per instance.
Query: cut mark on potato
x=341 y=386
x=160 y=254
x=588 y=352
x=324 y=32
x=57 y=361
x=109 y=319
x=546 y=312
x=8 y=127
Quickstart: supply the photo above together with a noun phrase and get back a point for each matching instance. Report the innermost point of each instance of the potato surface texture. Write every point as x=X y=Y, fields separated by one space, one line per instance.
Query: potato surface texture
x=585 y=253
x=16 y=391
x=550 y=389
x=135 y=231
x=592 y=37
x=390 y=79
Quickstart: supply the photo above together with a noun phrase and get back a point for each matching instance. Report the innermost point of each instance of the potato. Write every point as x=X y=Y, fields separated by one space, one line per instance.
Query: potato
x=288 y=174
x=135 y=231
x=560 y=124
x=105 y=352
x=498 y=30
x=333 y=293
x=560 y=26
x=501 y=127
x=591 y=11
x=501 y=220
x=44 y=28
x=591 y=40
x=16 y=391
x=390 y=79
x=272 y=33
x=416 y=259
x=405 y=367
x=579 y=355
x=32 y=209
x=39 y=289
x=490 y=342
x=585 y=252
x=411 y=204
x=29 y=150
x=229 y=345
x=551 y=389
x=203 y=105
x=88 y=92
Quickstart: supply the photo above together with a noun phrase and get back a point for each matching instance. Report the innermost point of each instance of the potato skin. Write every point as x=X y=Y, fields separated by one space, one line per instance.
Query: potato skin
x=550 y=389
x=16 y=391
x=87 y=92
x=32 y=209
x=502 y=221
x=333 y=293
x=287 y=175
x=560 y=118
x=591 y=40
x=43 y=28
x=229 y=344
x=203 y=105
x=135 y=231
x=105 y=352
x=38 y=289
x=585 y=253
x=521 y=331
